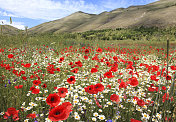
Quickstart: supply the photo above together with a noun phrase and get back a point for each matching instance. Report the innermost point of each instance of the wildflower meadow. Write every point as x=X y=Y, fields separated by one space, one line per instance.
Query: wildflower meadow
x=87 y=84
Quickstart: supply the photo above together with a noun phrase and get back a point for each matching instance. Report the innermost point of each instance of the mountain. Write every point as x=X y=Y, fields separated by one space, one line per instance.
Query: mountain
x=65 y=24
x=159 y=14
x=8 y=29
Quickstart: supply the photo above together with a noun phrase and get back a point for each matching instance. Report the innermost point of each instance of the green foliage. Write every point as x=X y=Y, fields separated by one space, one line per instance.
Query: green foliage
x=141 y=35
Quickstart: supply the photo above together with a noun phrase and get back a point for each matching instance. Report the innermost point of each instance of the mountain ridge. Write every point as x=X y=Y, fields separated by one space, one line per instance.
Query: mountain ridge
x=160 y=14
x=9 y=30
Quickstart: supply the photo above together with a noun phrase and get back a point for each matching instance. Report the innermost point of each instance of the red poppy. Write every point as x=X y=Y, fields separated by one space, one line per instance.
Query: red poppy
x=62 y=92
x=35 y=91
x=7 y=67
x=32 y=116
x=53 y=100
x=73 y=66
x=86 y=57
x=151 y=89
x=86 y=51
x=168 y=77
x=36 y=82
x=15 y=72
x=24 y=78
x=96 y=66
x=91 y=89
x=44 y=85
x=32 y=76
x=61 y=59
x=155 y=68
x=59 y=113
x=114 y=68
x=32 y=88
x=71 y=63
x=115 y=58
x=99 y=87
x=10 y=56
x=153 y=77
x=22 y=72
x=35 y=64
x=164 y=97
x=167 y=119
x=136 y=98
x=122 y=85
x=78 y=63
x=99 y=50
x=108 y=75
x=58 y=69
x=134 y=120
x=51 y=69
x=108 y=63
x=133 y=81
x=140 y=102
x=11 y=112
x=163 y=88
x=115 y=98
x=71 y=80
x=94 y=70
x=55 y=87
x=173 y=67
x=130 y=66
x=67 y=105
x=15 y=117
x=75 y=70
x=19 y=87
x=27 y=65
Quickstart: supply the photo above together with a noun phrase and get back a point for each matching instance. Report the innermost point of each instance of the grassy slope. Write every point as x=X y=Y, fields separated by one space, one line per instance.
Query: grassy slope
x=160 y=14
x=62 y=25
x=10 y=30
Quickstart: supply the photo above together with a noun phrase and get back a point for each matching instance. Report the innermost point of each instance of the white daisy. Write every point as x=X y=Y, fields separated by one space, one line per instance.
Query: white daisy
x=95 y=114
x=45 y=91
x=94 y=119
x=101 y=117
x=75 y=101
x=158 y=116
x=100 y=110
x=77 y=117
x=146 y=116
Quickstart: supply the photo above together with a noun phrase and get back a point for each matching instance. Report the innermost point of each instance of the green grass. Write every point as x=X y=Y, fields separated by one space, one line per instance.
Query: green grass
x=124 y=37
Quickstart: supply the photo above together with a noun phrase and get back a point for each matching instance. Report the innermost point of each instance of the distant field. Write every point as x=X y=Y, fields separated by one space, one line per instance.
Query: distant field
x=156 y=37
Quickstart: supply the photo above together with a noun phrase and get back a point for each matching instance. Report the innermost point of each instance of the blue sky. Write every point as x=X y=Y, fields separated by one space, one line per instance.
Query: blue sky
x=33 y=12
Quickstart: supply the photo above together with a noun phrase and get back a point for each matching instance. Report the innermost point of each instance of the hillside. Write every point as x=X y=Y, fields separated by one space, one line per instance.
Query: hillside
x=63 y=25
x=10 y=30
x=157 y=14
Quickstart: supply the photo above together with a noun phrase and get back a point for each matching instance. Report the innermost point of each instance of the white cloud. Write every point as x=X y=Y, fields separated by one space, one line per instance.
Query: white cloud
x=114 y=4
x=18 y=25
x=7 y=14
x=47 y=9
